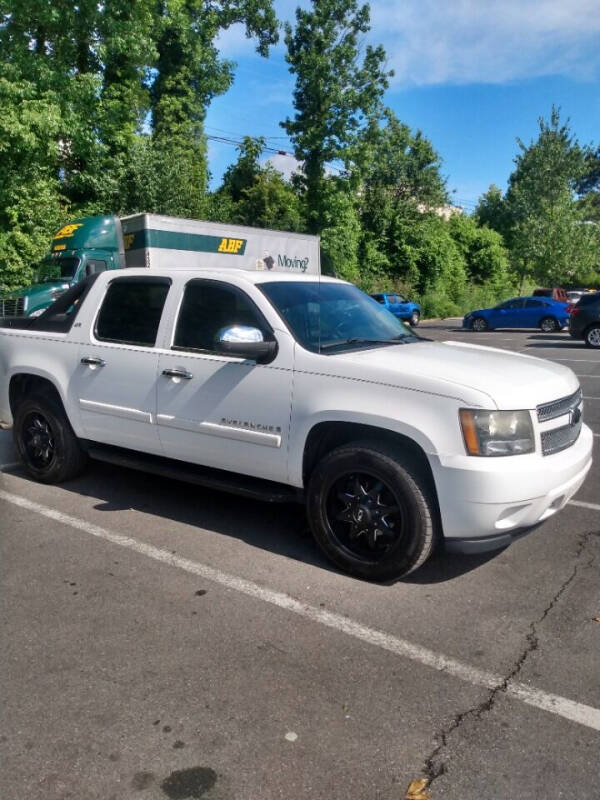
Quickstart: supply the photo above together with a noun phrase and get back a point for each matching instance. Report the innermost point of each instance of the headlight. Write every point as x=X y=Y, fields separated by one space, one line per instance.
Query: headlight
x=497 y=433
x=37 y=312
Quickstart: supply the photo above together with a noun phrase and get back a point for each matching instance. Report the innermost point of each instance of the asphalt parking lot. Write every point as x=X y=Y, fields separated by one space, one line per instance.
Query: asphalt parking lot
x=163 y=641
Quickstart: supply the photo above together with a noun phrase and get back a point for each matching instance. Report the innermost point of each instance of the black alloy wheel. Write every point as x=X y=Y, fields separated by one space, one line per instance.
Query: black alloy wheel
x=45 y=440
x=38 y=441
x=366 y=518
x=372 y=509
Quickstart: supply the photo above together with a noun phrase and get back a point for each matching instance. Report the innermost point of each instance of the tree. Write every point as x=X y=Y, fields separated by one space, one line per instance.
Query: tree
x=491 y=210
x=102 y=110
x=486 y=258
x=588 y=187
x=31 y=202
x=400 y=180
x=546 y=234
x=257 y=194
x=336 y=93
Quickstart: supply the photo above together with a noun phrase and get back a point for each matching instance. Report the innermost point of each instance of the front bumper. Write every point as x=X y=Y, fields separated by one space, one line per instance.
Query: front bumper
x=486 y=503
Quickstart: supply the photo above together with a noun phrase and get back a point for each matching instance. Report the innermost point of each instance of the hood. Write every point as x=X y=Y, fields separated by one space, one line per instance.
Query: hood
x=477 y=311
x=470 y=373
x=39 y=294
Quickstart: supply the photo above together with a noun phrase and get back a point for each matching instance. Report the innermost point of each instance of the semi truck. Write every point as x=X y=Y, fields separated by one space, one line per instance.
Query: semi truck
x=89 y=245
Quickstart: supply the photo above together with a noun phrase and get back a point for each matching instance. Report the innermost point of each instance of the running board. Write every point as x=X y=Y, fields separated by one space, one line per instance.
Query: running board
x=219 y=479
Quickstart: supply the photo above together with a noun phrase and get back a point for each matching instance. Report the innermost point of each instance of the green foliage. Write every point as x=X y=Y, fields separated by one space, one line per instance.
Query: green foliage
x=31 y=204
x=486 y=258
x=102 y=108
x=546 y=234
x=340 y=233
x=588 y=186
x=336 y=93
x=257 y=195
x=491 y=211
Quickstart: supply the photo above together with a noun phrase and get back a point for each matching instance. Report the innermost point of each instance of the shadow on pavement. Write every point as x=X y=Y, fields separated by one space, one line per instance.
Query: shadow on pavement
x=278 y=528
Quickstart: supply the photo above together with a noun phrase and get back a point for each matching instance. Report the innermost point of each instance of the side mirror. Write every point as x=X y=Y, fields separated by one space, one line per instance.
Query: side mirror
x=245 y=342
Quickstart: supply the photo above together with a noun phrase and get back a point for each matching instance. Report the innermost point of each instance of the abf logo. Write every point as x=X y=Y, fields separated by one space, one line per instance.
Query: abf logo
x=68 y=230
x=231 y=245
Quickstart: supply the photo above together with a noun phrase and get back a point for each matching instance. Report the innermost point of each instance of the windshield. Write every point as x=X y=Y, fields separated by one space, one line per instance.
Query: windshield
x=59 y=269
x=334 y=316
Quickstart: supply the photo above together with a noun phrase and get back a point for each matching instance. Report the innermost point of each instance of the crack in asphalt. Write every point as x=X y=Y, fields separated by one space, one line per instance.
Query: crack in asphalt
x=435 y=766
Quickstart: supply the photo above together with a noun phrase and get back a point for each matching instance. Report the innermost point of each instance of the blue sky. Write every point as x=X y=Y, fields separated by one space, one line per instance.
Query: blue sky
x=473 y=75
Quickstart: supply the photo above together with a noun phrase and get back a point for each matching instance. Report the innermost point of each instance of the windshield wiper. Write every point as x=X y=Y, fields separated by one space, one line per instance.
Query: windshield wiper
x=343 y=342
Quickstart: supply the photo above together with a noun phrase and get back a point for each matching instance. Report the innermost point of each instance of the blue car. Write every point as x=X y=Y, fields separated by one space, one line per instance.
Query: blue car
x=411 y=312
x=521 y=312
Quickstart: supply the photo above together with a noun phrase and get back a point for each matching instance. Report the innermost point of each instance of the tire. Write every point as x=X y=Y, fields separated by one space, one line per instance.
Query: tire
x=357 y=536
x=45 y=440
x=592 y=337
x=414 y=320
x=549 y=325
x=479 y=325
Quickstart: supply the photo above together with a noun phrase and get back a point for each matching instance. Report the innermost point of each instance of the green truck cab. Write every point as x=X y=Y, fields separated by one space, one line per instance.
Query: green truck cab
x=78 y=249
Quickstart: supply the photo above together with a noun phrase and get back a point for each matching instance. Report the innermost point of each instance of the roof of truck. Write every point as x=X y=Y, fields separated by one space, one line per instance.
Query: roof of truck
x=251 y=276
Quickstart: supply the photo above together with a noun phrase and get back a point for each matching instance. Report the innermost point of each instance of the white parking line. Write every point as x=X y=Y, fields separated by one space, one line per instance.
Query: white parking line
x=555 y=704
x=9 y=466
x=587 y=397
x=581 y=360
x=581 y=504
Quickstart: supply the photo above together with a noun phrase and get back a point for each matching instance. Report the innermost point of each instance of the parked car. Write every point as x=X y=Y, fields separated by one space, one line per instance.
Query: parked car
x=584 y=320
x=557 y=293
x=296 y=388
x=520 y=312
x=400 y=307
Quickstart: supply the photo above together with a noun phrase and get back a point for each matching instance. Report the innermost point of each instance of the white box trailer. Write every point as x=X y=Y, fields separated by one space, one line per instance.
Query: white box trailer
x=156 y=241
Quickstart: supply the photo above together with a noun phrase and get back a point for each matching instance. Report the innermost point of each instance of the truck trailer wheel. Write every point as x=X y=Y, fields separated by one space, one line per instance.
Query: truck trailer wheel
x=45 y=440
x=371 y=512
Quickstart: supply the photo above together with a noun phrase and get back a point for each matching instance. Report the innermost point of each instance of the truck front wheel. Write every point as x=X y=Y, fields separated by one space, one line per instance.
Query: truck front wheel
x=45 y=440
x=371 y=511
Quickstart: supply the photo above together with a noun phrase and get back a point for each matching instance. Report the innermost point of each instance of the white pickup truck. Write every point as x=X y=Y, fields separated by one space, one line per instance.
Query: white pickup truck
x=296 y=387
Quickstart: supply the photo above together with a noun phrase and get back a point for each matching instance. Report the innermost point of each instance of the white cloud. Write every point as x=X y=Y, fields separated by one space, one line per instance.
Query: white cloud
x=288 y=165
x=432 y=42
x=487 y=41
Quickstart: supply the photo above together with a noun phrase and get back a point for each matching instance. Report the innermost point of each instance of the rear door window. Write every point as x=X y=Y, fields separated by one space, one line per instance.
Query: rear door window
x=131 y=311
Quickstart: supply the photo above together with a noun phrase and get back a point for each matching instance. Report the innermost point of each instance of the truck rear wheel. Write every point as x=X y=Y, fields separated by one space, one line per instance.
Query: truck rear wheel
x=371 y=511
x=45 y=440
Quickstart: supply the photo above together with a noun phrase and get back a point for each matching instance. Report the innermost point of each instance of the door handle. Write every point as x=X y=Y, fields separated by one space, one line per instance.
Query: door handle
x=178 y=373
x=91 y=361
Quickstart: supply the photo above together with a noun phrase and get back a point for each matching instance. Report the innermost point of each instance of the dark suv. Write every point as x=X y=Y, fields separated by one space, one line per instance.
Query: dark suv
x=584 y=321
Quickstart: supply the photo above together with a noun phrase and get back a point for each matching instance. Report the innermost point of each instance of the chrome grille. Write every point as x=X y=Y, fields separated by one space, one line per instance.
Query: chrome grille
x=12 y=307
x=560 y=438
x=559 y=408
